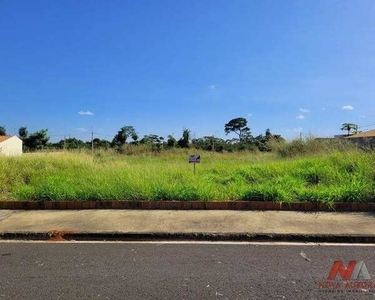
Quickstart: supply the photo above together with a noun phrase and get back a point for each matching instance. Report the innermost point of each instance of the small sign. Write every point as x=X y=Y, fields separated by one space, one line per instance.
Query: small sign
x=194 y=159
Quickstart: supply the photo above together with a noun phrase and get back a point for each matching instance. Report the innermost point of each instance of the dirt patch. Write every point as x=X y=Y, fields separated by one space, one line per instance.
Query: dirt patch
x=59 y=235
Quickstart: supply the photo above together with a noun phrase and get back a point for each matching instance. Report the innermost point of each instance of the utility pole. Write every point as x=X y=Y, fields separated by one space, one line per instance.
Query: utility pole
x=213 y=141
x=64 y=142
x=92 y=140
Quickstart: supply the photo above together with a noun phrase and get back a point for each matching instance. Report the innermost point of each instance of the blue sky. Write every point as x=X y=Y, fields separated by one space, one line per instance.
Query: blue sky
x=162 y=66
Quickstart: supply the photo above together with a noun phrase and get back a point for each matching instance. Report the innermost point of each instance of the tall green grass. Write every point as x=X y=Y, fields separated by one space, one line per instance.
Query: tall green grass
x=335 y=175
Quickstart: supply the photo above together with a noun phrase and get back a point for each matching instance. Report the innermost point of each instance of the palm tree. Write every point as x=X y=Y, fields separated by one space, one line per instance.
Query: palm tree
x=186 y=135
x=184 y=141
x=349 y=127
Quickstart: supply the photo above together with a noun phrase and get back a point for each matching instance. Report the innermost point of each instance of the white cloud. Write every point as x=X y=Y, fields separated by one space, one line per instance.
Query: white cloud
x=300 y=117
x=304 y=110
x=213 y=86
x=81 y=129
x=347 y=107
x=298 y=129
x=85 y=113
x=250 y=115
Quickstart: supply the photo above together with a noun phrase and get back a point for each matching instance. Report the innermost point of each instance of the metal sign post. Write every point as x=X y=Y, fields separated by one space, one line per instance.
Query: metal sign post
x=194 y=159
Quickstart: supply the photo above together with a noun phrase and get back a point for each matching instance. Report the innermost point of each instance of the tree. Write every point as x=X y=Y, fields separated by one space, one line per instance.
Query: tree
x=23 y=133
x=184 y=141
x=239 y=127
x=98 y=143
x=154 y=141
x=37 y=140
x=123 y=134
x=72 y=143
x=209 y=143
x=349 y=127
x=171 y=142
x=3 y=130
x=134 y=136
x=268 y=134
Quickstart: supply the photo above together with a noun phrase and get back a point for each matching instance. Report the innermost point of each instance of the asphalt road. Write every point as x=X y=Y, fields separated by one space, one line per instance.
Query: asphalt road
x=174 y=271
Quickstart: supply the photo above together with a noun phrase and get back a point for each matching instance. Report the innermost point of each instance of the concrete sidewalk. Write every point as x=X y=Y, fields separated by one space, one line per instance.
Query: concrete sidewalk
x=159 y=223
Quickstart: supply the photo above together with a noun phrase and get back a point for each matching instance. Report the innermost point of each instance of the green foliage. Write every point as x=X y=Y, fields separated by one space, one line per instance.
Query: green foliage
x=36 y=141
x=145 y=175
x=209 y=143
x=101 y=144
x=3 y=130
x=294 y=148
x=349 y=127
x=72 y=143
x=154 y=141
x=123 y=134
x=23 y=133
x=259 y=143
x=264 y=142
x=310 y=146
x=239 y=127
x=185 y=139
x=171 y=142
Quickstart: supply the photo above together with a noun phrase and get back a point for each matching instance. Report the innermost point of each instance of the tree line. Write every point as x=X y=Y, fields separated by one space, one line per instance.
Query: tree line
x=127 y=135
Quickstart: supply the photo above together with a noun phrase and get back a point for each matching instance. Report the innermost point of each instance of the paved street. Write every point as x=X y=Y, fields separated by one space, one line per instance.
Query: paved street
x=173 y=270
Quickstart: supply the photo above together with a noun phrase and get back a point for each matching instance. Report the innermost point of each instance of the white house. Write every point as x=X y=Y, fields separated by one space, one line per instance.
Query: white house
x=10 y=145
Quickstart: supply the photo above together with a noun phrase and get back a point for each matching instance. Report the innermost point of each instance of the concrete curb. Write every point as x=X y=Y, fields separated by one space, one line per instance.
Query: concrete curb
x=188 y=205
x=56 y=236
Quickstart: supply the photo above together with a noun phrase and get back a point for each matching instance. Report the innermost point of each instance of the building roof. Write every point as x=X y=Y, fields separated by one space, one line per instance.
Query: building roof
x=364 y=134
x=4 y=137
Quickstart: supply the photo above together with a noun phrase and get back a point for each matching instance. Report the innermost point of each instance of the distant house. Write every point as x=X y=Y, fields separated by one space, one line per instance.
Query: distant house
x=10 y=145
x=363 y=138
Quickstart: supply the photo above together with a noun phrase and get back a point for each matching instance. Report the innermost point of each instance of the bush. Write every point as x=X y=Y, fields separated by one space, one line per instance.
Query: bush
x=140 y=149
x=311 y=146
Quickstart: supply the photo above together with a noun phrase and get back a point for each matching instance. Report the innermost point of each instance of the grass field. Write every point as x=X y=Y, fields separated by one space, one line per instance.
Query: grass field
x=325 y=177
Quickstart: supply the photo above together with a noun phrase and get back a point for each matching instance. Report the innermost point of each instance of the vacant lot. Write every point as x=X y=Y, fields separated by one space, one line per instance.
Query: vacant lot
x=327 y=177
